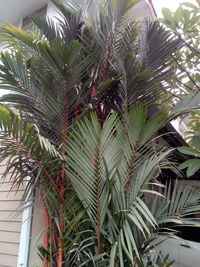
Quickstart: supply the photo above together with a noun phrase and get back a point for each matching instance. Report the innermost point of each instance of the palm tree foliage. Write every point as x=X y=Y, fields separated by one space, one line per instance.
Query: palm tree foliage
x=115 y=179
x=29 y=153
x=82 y=61
x=96 y=171
x=109 y=214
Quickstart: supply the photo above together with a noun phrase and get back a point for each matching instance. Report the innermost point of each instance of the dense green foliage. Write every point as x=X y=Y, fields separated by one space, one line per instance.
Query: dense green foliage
x=185 y=23
x=76 y=122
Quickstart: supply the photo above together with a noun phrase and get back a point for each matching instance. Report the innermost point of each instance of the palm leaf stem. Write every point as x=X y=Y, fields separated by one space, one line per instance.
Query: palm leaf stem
x=32 y=157
x=61 y=191
x=129 y=176
x=184 y=84
x=98 y=212
x=105 y=68
x=34 y=99
x=192 y=48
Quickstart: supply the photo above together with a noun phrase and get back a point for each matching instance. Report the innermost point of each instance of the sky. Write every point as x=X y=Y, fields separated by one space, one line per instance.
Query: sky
x=171 y=4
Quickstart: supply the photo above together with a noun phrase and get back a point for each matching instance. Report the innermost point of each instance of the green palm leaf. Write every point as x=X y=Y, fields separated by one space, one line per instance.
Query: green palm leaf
x=102 y=146
x=27 y=153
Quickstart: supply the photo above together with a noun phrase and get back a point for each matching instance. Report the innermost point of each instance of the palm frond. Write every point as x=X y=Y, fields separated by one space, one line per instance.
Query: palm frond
x=177 y=207
x=47 y=27
x=111 y=167
x=186 y=105
x=102 y=146
x=25 y=150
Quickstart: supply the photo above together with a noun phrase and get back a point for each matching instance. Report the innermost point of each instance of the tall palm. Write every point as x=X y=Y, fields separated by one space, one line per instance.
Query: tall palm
x=76 y=64
x=84 y=63
x=108 y=215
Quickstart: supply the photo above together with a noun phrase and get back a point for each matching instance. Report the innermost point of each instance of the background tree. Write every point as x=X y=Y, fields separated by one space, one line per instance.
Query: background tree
x=185 y=23
x=185 y=84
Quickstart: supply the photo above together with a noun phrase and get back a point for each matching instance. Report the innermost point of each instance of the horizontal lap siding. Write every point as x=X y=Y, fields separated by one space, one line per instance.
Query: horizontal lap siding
x=8 y=260
x=10 y=221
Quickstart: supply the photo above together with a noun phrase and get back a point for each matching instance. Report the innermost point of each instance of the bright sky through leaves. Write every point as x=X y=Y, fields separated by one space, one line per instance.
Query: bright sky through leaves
x=171 y=4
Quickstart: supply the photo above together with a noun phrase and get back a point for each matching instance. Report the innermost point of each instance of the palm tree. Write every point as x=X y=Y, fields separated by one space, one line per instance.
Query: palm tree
x=79 y=64
x=92 y=173
x=108 y=216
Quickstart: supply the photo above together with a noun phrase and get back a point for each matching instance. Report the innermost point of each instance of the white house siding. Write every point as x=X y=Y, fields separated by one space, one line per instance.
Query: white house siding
x=10 y=221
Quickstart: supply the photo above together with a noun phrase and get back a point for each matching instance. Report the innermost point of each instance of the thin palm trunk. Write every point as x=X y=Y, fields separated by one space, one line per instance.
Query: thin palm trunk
x=62 y=182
